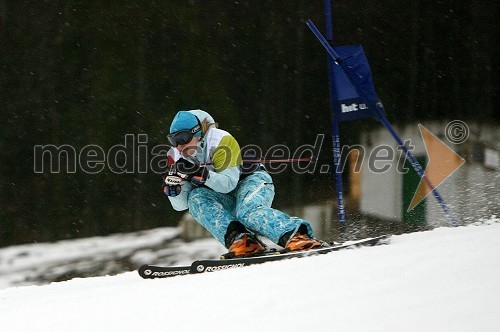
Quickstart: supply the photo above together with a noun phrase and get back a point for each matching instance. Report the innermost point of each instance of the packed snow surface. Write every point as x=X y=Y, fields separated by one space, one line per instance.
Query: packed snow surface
x=447 y=279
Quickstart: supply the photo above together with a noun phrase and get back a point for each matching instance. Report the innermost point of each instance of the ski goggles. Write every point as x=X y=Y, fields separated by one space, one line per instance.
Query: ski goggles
x=183 y=136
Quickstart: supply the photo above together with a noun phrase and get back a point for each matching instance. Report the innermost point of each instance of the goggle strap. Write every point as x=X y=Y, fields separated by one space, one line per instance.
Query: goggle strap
x=196 y=128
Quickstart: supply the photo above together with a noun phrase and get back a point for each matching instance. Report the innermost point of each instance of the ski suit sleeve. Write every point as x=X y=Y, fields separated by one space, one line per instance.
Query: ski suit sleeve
x=180 y=202
x=226 y=161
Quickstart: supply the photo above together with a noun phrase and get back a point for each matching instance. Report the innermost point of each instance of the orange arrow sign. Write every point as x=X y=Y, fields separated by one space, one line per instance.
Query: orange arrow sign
x=443 y=161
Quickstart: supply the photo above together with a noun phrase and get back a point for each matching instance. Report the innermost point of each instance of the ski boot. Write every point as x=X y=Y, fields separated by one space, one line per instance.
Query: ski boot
x=245 y=245
x=300 y=241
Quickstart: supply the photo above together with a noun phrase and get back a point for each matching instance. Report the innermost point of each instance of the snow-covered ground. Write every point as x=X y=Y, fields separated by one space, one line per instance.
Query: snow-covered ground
x=447 y=279
x=42 y=263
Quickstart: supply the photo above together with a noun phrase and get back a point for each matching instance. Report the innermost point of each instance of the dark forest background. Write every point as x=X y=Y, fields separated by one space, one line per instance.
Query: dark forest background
x=90 y=72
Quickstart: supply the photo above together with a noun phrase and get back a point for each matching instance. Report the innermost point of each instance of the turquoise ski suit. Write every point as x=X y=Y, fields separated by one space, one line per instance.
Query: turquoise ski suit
x=227 y=196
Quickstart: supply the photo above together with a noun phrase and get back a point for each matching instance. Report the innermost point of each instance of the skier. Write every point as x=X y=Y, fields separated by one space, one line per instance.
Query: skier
x=233 y=202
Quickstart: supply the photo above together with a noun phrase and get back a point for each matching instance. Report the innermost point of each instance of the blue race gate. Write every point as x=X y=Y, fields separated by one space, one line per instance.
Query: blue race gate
x=353 y=97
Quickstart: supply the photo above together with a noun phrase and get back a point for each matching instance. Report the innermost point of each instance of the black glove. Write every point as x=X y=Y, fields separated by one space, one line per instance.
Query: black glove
x=192 y=172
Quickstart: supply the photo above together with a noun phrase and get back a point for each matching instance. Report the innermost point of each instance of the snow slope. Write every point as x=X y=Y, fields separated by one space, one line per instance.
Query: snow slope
x=40 y=263
x=447 y=279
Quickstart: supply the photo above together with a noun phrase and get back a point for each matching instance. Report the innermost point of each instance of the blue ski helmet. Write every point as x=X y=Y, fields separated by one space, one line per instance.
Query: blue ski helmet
x=184 y=120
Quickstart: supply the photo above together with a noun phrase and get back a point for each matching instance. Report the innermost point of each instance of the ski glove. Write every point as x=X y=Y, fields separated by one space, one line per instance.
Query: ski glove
x=172 y=183
x=192 y=172
x=171 y=180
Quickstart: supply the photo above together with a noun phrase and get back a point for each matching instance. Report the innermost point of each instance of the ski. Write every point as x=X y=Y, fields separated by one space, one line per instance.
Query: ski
x=155 y=271
x=213 y=265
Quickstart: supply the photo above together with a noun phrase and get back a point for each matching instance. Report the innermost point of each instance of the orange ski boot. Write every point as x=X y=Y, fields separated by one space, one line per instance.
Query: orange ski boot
x=302 y=242
x=245 y=245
